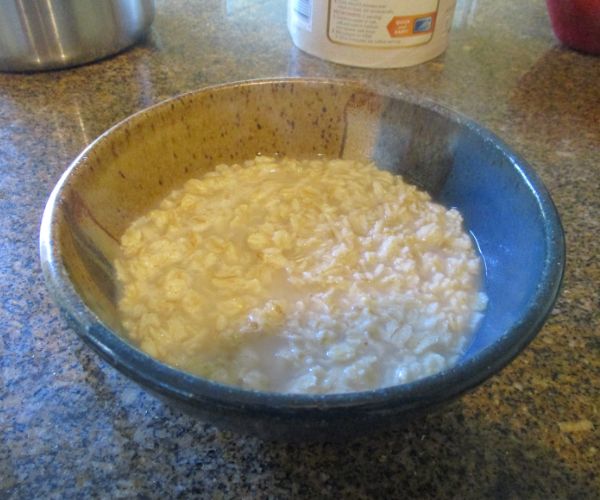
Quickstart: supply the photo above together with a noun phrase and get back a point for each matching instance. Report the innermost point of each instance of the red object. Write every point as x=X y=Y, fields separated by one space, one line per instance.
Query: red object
x=576 y=23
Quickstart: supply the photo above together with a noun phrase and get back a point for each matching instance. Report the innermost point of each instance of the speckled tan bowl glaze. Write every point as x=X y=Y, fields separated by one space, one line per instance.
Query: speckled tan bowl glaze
x=136 y=163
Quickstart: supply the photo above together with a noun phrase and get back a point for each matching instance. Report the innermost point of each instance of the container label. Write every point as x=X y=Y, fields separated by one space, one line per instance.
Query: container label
x=382 y=23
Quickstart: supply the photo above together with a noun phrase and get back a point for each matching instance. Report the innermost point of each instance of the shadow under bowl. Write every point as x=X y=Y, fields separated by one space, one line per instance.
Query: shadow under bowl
x=128 y=169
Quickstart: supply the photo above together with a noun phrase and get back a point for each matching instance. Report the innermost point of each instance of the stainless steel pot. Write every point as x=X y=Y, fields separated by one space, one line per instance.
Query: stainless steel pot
x=49 y=34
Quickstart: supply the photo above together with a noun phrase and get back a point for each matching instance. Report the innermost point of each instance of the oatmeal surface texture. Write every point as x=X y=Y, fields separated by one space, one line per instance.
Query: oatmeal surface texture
x=313 y=276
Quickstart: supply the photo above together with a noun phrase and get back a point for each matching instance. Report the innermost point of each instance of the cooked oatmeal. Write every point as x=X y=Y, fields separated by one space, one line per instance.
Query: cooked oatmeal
x=301 y=276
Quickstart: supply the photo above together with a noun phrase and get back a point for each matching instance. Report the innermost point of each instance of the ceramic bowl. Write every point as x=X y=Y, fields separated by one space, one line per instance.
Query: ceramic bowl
x=137 y=162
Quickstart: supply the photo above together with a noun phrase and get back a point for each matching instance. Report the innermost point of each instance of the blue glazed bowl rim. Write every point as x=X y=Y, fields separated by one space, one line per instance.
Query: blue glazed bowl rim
x=424 y=392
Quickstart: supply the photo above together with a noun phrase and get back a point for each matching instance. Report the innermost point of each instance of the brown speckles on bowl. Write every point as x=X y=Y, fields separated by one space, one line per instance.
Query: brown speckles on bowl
x=140 y=160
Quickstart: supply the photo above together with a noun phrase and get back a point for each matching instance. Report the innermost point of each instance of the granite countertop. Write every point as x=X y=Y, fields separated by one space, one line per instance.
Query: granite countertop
x=71 y=426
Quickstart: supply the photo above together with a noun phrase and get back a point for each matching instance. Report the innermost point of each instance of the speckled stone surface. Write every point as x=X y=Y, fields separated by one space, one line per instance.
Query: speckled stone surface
x=71 y=426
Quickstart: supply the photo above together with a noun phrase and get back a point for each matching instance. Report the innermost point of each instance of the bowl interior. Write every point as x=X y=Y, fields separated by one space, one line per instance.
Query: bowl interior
x=135 y=164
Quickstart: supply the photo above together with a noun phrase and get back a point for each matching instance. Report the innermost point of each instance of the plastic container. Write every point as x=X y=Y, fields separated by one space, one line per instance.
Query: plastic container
x=371 y=33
